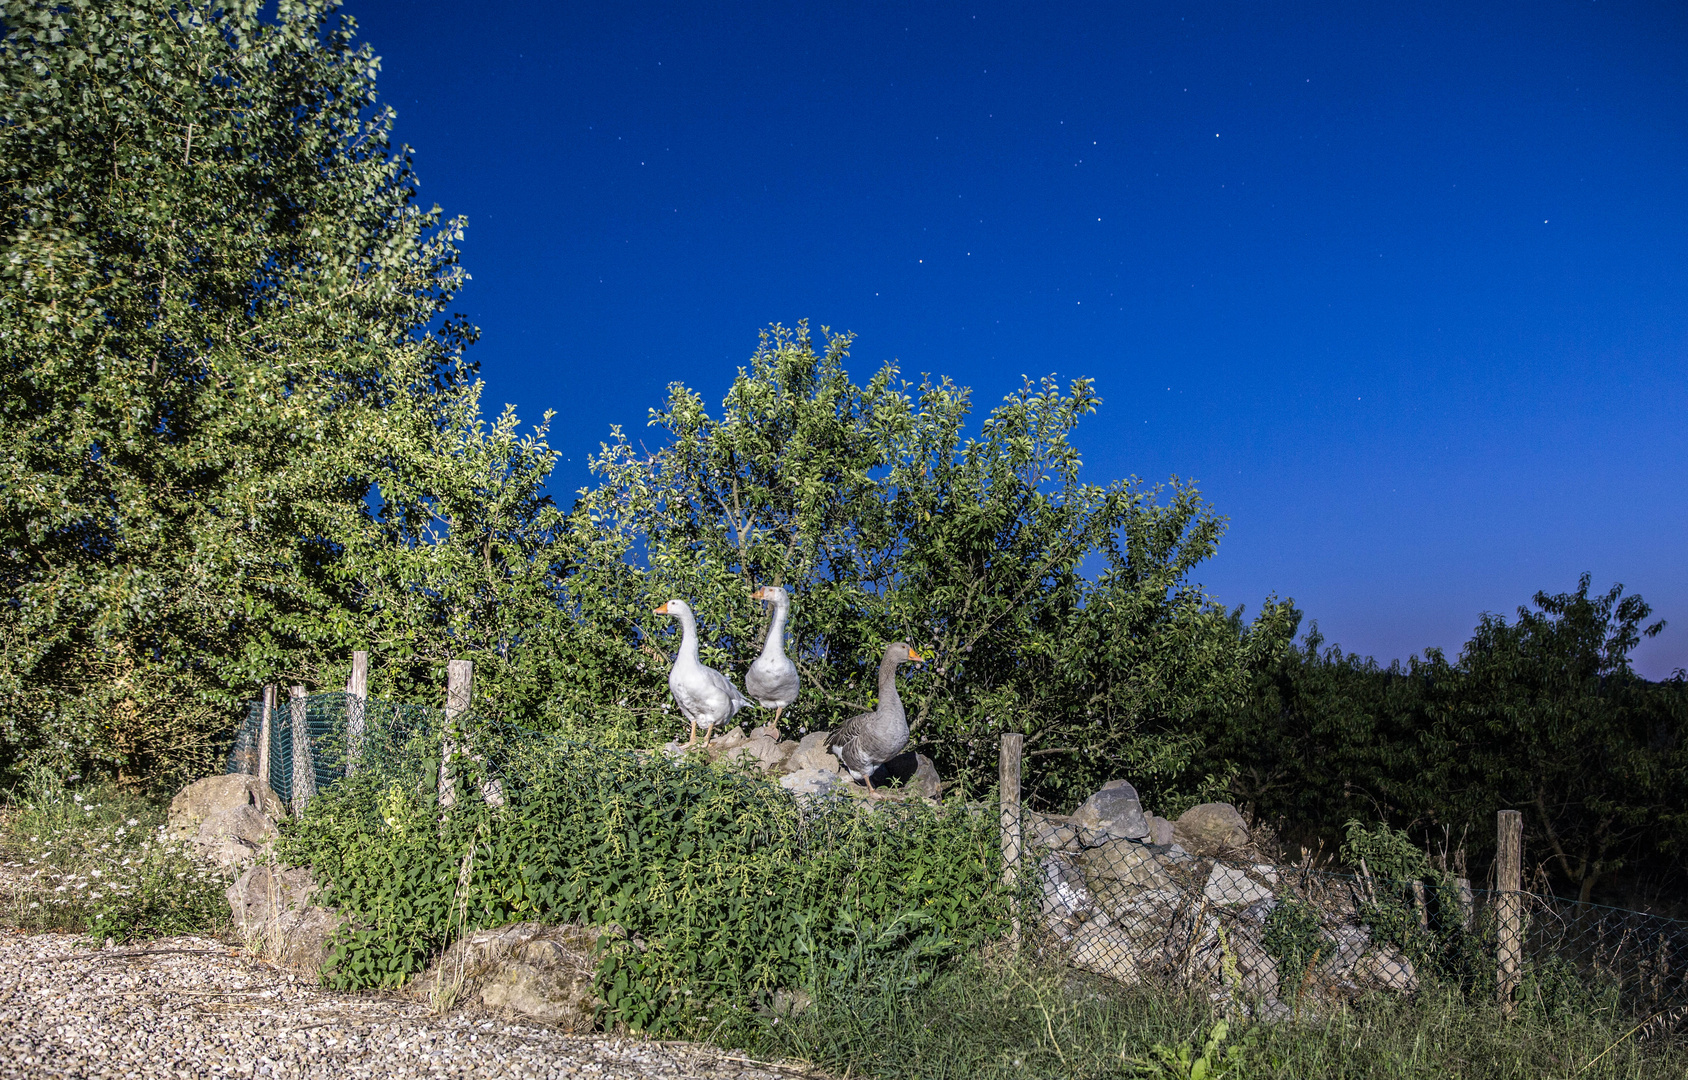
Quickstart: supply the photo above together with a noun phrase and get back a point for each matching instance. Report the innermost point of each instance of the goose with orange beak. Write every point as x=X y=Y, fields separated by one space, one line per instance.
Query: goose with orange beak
x=865 y=742
x=771 y=680
x=705 y=696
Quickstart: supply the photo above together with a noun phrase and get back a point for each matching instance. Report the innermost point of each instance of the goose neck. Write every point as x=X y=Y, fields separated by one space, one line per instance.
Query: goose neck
x=688 y=639
x=775 y=645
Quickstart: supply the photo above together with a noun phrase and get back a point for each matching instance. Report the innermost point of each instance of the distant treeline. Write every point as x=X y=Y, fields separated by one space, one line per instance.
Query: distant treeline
x=1541 y=714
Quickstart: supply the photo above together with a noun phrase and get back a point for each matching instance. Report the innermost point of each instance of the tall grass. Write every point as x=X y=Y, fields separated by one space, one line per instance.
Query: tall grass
x=95 y=859
x=994 y=1017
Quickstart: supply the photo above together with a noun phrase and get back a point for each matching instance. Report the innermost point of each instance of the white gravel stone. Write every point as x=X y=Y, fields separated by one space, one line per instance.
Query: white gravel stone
x=193 y=1007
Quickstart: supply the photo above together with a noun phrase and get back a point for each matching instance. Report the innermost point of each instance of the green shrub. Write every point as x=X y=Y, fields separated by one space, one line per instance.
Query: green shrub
x=719 y=887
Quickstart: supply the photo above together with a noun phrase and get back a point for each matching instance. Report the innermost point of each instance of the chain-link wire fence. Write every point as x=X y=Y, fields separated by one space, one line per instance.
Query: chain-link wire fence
x=316 y=740
x=1272 y=940
x=1282 y=940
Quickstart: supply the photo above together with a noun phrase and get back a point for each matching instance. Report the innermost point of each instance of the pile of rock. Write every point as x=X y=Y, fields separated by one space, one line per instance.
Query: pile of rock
x=229 y=819
x=1131 y=896
x=806 y=767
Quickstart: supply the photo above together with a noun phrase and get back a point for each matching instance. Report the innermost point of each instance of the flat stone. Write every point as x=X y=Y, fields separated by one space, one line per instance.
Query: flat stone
x=1211 y=829
x=1106 y=950
x=1229 y=886
x=811 y=782
x=1114 y=811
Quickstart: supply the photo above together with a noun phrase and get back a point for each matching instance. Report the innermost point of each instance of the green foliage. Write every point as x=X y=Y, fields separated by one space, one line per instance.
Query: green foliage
x=1542 y=715
x=887 y=523
x=1006 y=1019
x=1291 y=936
x=1182 y=1062
x=214 y=283
x=719 y=888
x=94 y=860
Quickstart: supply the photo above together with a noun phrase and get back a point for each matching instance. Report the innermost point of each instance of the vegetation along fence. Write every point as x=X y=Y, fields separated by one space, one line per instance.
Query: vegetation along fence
x=1271 y=940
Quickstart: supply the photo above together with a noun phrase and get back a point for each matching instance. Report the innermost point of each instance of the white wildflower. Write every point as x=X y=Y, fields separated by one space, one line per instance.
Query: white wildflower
x=132 y=822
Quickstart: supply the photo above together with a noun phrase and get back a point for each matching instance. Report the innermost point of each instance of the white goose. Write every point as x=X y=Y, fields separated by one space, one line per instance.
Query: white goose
x=703 y=694
x=772 y=678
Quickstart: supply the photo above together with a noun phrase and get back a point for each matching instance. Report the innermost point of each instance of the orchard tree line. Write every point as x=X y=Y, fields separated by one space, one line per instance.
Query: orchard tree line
x=242 y=436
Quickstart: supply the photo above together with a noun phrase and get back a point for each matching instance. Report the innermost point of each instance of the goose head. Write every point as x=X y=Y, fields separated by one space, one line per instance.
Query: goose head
x=772 y=593
x=901 y=652
x=678 y=609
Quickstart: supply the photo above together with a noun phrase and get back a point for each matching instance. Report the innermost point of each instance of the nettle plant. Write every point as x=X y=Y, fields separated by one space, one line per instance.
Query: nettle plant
x=713 y=886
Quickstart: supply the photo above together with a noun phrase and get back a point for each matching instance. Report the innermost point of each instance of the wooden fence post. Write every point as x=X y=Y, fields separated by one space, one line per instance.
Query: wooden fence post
x=1509 y=904
x=304 y=769
x=459 y=689
x=268 y=711
x=357 y=697
x=1008 y=782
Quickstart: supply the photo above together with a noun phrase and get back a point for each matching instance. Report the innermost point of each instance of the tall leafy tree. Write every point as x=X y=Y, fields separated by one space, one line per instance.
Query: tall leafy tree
x=214 y=281
x=1046 y=605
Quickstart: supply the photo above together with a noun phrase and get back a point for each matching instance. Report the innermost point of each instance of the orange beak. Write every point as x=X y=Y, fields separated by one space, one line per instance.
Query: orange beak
x=912 y=655
x=759 y=594
x=663 y=610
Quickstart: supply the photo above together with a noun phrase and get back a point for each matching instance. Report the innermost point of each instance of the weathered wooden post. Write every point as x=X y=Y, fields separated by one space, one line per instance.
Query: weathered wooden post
x=1008 y=781
x=1509 y=905
x=459 y=686
x=357 y=698
x=304 y=769
x=265 y=713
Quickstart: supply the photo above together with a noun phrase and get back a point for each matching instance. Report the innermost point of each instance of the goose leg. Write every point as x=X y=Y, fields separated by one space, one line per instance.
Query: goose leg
x=777 y=713
x=707 y=733
x=693 y=739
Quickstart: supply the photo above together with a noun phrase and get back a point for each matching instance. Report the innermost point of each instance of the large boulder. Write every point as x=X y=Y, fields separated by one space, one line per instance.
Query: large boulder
x=1113 y=812
x=811 y=753
x=1212 y=830
x=1126 y=861
x=542 y=972
x=272 y=908
x=910 y=773
x=229 y=819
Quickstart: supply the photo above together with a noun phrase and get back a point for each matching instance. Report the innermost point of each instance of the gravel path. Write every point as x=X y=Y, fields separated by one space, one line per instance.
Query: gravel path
x=192 y=1007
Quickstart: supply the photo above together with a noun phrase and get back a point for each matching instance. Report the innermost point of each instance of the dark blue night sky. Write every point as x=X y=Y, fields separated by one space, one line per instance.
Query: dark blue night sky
x=1403 y=287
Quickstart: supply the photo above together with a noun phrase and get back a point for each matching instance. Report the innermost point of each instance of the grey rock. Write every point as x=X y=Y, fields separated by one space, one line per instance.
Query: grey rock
x=760 y=751
x=1114 y=812
x=1230 y=886
x=811 y=753
x=1048 y=831
x=1067 y=899
x=811 y=782
x=789 y=1002
x=1107 y=950
x=272 y=906
x=1160 y=831
x=544 y=972
x=228 y=819
x=1211 y=829
x=1125 y=861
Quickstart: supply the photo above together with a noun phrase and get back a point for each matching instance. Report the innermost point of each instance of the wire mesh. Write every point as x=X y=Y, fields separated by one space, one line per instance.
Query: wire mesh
x=1275 y=940
x=243 y=755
